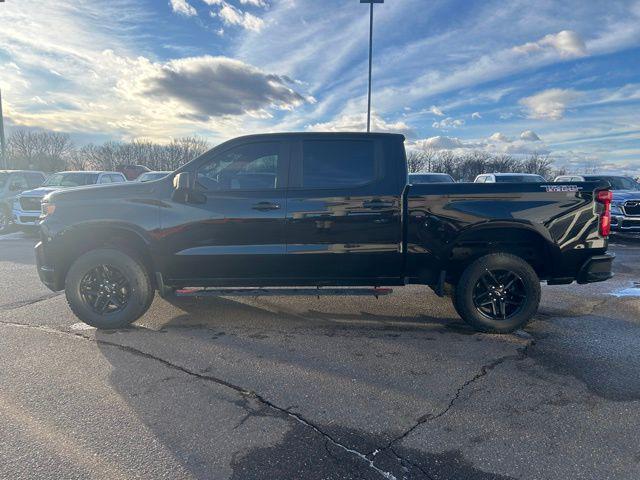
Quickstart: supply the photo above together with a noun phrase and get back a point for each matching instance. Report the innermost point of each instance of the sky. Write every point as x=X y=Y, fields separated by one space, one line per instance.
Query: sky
x=517 y=77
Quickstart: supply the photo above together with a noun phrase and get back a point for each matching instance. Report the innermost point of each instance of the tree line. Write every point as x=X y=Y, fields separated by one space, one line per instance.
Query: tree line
x=466 y=166
x=54 y=152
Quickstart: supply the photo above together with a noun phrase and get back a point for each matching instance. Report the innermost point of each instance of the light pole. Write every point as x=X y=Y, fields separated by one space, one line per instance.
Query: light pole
x=370 y=2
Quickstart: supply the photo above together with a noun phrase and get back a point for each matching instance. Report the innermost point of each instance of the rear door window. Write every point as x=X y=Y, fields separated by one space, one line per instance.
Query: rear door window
x=330 y=164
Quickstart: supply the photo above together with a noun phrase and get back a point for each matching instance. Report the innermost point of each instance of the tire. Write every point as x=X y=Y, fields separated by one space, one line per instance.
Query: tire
x=112 y=277
x=497 y=293
x=5 y=221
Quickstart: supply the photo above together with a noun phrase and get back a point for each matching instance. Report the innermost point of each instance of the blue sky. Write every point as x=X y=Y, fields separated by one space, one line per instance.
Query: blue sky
x=515 y=77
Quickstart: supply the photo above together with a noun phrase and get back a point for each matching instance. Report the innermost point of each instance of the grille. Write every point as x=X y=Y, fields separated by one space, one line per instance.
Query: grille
x=30 y=204
x=632 y=208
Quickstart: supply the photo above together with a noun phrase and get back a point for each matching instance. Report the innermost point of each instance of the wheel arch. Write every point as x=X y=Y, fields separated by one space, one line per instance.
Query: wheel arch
x=532 y=244
x=82 y=238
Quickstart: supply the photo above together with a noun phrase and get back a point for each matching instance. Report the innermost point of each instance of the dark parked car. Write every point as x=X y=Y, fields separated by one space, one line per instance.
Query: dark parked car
x=416 y=178
x=320 y=210
x=12 y=183
x=152 y=176
x=132 y=172
x=625 y=207
x=26 y=208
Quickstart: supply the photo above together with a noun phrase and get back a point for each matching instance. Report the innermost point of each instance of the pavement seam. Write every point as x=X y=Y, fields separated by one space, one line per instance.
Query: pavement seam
x=25 y=303
x=242 y=391
x=484 y=371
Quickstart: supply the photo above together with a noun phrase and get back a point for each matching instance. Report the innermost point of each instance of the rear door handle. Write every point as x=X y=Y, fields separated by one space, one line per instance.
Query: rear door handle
x=265 y=206
x=377 y=204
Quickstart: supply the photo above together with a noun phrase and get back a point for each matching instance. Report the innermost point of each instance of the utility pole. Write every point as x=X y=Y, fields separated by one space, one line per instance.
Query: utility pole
x=3 y=147
x=370 y=2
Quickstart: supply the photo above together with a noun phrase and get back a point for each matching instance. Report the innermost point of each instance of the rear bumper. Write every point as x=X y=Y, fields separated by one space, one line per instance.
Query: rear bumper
x=596 y=269
x=46 y=268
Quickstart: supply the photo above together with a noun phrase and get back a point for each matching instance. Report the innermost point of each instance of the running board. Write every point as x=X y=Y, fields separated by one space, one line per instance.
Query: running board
x=282 y=292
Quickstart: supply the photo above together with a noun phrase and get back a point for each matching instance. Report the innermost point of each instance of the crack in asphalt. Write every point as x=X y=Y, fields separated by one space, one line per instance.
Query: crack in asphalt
x=484 y=370
x=368 y=458
x=209 y=378
x=24 y=303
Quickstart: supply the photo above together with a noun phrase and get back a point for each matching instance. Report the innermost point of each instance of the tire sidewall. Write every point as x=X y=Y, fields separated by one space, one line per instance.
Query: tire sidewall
x=463 y=299
x=139 y=299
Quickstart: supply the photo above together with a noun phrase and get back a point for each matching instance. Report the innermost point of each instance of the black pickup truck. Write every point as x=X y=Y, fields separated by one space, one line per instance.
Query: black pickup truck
x=330 y=211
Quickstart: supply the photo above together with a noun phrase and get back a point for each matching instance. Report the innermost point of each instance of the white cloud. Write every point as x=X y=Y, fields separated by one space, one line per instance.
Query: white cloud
x=448 y=123
x=358 y=123
x=498 y=143
x=231 y=15
x=442 y=143
x=182 y=7
x=567 y=43
x=476 y=116
x=436 y=111
x=529 y=136
x=255 y=3
x=550 y=104
x=500 y=137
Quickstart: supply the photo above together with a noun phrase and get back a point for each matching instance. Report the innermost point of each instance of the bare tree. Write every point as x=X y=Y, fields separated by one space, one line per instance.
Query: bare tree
x=47 y=151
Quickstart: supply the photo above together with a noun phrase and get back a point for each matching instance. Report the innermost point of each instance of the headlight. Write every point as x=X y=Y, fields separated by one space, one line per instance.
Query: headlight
x=47 y=209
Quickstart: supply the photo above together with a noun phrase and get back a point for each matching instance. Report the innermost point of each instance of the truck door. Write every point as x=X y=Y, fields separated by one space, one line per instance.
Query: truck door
x=343 y=212
x=236 y=231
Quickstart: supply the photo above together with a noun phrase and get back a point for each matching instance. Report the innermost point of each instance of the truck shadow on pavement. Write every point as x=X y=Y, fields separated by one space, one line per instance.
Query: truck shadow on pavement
x=190 y=376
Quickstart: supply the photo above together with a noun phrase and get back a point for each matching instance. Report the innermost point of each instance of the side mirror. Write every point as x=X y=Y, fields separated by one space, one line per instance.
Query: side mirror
x=183 y=190
x=182 y=181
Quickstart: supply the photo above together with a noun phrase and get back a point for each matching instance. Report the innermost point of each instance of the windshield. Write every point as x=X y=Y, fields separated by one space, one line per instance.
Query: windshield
x=3 y=178
x=617 y=183
x=427 y=178
x=73 y=179
x=519 y=178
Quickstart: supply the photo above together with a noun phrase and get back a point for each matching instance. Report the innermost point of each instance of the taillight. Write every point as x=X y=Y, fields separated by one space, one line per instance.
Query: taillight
x=605 y=197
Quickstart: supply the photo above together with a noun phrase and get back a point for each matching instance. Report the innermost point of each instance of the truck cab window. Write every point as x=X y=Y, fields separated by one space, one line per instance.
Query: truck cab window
x=337 y=164
x=247 y=167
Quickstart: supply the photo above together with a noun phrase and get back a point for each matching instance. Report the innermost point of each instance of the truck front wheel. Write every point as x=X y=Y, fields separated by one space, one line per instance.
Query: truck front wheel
x=497 y=293
x=108 y=289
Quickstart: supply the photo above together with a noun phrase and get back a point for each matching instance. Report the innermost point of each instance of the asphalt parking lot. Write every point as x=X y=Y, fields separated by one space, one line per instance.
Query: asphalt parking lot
x=307 y=388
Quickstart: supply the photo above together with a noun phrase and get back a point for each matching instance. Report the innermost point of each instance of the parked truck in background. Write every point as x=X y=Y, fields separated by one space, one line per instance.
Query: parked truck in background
x=12 y=184
x=320 y=210
x=27 y=206
x=625 y=205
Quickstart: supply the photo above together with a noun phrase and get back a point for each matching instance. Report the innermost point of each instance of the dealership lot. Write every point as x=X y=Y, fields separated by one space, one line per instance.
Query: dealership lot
x=320 y=388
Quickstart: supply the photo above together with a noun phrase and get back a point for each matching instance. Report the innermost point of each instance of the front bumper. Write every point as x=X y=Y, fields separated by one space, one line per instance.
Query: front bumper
x=24 y=218
x=46 y=268
x=623 y=223
x=596 y=269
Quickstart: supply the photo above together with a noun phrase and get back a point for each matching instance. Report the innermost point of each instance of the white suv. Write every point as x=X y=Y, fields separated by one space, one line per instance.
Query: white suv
x=26 y=207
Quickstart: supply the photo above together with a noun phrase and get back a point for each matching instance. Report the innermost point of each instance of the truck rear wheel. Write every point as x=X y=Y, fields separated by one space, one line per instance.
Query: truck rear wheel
x=108 y=289
x=497 y=293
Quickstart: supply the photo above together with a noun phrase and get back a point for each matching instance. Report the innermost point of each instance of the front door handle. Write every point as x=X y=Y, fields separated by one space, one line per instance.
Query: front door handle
x=266 y=206
x=377 y=204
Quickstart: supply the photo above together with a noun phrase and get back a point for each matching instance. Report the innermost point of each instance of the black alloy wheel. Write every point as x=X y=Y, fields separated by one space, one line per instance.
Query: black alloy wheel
x=499 y=294
x=105 y=290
